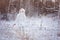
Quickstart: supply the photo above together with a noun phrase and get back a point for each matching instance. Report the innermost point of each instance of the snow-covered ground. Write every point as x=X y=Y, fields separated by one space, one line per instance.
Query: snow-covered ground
x=34 y=28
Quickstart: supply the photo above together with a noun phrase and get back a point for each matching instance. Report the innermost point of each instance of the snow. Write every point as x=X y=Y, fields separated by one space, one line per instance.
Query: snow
x=53 y=0
x=24 y=28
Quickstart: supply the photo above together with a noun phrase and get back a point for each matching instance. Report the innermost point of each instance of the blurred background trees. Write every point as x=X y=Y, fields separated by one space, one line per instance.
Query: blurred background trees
x=32 y=7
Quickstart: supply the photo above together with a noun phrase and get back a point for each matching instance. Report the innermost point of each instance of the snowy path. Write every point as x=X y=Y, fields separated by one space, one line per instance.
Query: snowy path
x=44 y=28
